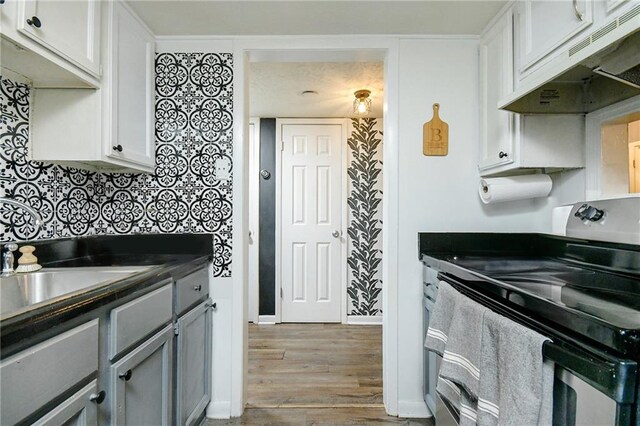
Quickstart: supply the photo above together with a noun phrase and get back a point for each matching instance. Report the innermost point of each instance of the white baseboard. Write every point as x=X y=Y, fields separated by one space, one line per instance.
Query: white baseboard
x=364 y=320
x=266 y=319
x=219 y=410
x=413 y=409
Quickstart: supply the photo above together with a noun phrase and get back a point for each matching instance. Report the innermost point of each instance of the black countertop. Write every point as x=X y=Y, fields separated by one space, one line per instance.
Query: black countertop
x=168 y=255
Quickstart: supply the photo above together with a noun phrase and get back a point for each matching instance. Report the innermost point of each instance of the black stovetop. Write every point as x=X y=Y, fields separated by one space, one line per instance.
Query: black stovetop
x=590 y=290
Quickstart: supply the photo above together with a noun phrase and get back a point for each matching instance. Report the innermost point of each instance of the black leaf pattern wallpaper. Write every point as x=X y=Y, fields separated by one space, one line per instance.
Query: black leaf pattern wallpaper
x=365 y=218
x=194 y=120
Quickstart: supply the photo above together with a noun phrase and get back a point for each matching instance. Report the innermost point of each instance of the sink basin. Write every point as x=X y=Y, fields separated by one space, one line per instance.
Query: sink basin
x=23 y=290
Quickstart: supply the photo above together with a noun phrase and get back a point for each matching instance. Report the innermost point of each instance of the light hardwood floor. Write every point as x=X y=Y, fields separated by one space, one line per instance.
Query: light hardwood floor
x=315 y=374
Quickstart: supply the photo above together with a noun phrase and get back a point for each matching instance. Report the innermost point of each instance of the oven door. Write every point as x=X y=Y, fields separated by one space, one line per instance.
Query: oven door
x=591 y=387
x=576 y=403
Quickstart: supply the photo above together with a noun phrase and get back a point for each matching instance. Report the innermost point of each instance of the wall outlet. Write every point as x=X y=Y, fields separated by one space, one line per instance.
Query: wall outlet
x=222 y=168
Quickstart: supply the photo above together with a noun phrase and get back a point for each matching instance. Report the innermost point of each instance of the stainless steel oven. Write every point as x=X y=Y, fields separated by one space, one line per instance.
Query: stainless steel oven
x=576 y=402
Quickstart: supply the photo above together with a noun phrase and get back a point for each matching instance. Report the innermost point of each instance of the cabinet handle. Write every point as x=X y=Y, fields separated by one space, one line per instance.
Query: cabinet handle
x=503 y=154
x=126 y=376
x=579 y=14
x=34 y=22
x=117 y=148
x=98 y=397
x=197 y=287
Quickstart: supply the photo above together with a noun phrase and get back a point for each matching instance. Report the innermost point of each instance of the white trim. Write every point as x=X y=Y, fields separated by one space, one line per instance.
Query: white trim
x=267 y=319
x=390 y=228
x=219 y=410
x=240 y=249
x=343 y=123
x=593 y=152
x=254 y=218
x=364 y=320
x=249 y=42
x=414 y=409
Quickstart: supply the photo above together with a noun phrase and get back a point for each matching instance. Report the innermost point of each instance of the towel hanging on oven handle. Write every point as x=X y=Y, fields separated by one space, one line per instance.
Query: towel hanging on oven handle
x=613 y=376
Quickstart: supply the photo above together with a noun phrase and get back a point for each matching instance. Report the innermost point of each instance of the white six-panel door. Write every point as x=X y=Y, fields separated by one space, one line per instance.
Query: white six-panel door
x=311 y=222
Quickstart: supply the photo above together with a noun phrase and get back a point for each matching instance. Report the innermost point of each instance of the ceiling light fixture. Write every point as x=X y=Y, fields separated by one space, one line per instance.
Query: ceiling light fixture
x=362 y=103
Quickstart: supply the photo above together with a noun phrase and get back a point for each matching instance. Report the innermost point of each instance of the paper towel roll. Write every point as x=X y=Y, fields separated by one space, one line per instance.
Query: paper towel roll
x=497 y=190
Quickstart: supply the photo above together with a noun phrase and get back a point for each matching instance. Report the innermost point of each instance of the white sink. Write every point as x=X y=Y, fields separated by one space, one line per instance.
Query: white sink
x=20 y=291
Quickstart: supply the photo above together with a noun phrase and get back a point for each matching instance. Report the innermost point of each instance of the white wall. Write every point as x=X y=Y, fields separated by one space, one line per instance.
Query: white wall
x=439 y=194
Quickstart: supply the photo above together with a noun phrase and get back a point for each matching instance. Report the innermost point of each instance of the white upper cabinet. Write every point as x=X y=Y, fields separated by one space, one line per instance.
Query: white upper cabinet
x=70 y=29
x=545 y=28
x=130 y=131
x=112 y=128
x=512 y=142
x=496 y=81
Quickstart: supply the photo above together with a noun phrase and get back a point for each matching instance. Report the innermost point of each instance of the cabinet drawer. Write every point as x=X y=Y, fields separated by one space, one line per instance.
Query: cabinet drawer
x=79 y=410
x=32 y=378
x=191 y=289
x=135 y=320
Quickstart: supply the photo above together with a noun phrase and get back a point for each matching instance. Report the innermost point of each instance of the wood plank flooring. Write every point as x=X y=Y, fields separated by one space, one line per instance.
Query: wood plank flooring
x=315 y=374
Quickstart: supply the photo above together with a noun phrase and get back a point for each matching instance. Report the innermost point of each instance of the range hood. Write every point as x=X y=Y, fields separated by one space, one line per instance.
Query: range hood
x=600 y=70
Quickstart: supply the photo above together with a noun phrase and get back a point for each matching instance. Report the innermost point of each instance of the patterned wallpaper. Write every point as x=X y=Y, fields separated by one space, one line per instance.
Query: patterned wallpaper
x=365 y=217
x=194 y=120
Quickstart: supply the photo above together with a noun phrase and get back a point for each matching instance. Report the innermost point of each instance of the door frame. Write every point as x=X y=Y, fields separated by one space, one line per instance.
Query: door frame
x=253 y=276
x=631 y=146
x=305 y=49
x=343 y=123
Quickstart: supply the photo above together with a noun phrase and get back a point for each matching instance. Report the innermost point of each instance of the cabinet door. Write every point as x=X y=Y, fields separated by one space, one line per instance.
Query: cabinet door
x=79 y=410
x=141 y=383
x=69 y=28
x=496 y=81
x=193 y=364
x=131 y=79
x=545 y=26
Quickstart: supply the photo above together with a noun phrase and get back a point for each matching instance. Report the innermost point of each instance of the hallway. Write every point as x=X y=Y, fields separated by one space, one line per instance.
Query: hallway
x=313 y=374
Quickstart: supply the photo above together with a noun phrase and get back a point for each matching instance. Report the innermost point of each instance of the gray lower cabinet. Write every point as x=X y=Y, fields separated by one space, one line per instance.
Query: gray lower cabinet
x=38 y=377
x=141 y=383
x=79 y=410
x=193 y=364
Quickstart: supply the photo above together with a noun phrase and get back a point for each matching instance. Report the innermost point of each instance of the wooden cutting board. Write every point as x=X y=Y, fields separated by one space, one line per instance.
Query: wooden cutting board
x=435 y=135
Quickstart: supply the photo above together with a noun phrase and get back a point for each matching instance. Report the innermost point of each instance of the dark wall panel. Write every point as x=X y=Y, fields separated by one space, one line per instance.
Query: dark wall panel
x=267 y=252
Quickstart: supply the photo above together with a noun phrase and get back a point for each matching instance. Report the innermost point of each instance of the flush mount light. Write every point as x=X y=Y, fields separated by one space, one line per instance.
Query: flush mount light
x=362 y=103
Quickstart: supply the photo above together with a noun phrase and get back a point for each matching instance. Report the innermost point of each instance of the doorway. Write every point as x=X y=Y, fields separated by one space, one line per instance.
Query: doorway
x=327 y=175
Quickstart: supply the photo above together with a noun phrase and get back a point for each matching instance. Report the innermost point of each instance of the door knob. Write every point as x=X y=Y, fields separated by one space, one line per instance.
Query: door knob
x=335 y=234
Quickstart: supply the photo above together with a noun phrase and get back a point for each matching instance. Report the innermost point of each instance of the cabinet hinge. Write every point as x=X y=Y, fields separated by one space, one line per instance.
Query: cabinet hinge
x=176 y=329
x=281 y=293
x=281 y=145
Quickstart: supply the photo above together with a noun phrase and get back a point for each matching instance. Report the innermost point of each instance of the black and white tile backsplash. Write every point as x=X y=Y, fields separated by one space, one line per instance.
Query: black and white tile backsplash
x=194 y=120
x=365 y=217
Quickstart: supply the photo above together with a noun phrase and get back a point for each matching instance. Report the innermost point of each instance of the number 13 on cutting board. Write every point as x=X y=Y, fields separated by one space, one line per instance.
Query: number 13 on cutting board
x=435 y=135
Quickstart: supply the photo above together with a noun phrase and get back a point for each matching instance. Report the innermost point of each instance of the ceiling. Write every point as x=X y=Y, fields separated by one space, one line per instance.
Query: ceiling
x=276 y=83
x=275 y=89
x=312 y=17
